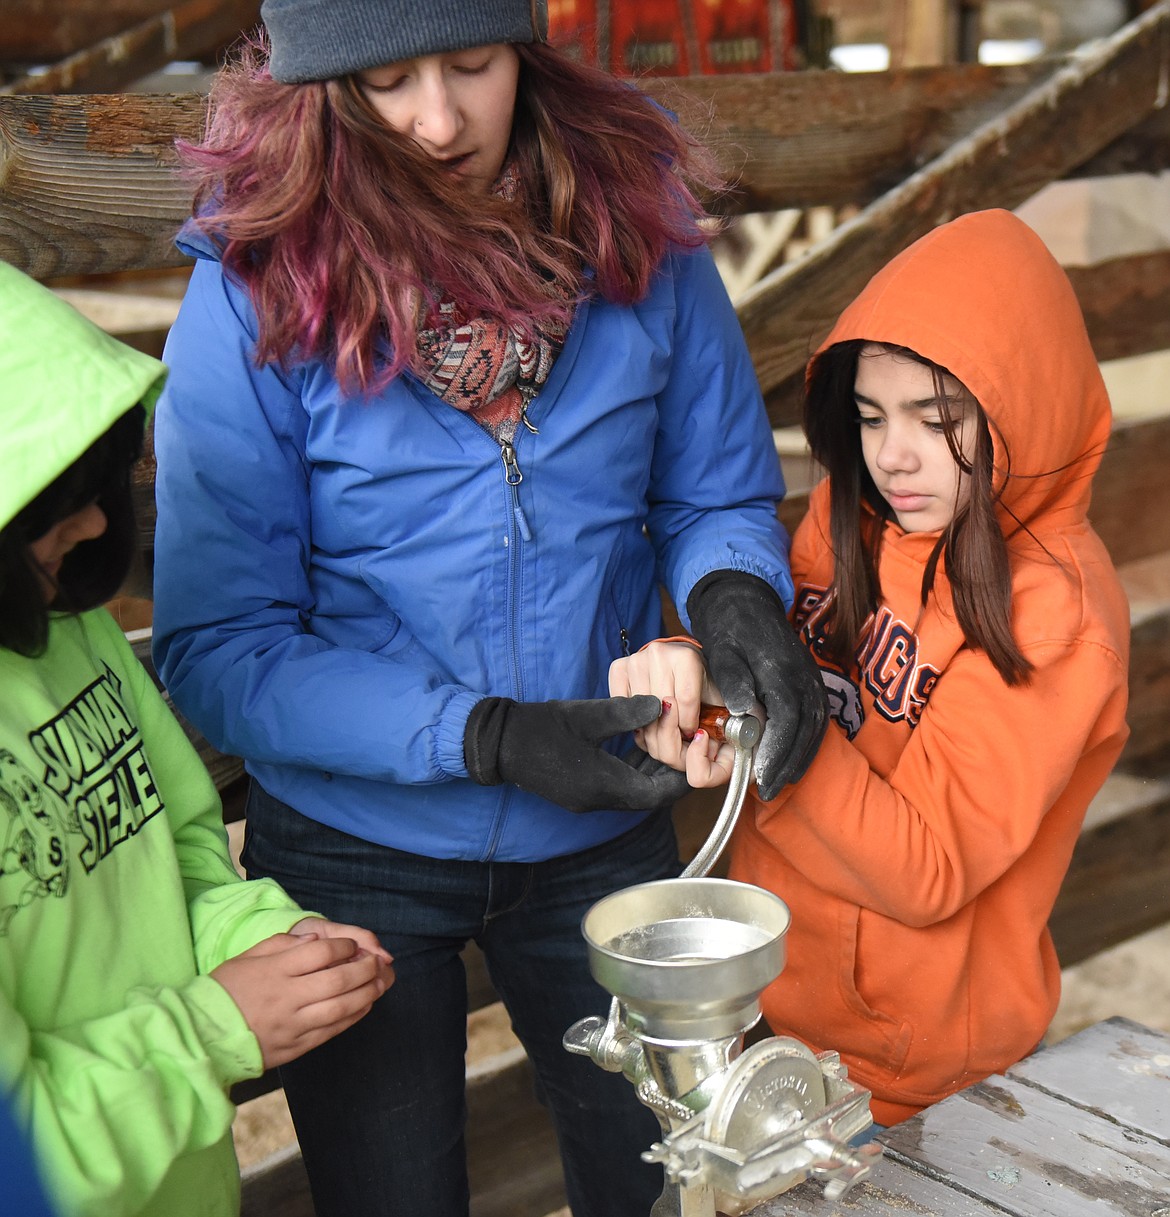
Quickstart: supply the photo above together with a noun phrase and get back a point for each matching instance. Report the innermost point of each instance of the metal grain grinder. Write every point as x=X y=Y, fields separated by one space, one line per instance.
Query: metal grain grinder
x=686 y=960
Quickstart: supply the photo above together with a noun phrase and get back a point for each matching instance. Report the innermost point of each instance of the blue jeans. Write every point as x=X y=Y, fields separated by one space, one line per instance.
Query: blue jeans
x=379 y=1110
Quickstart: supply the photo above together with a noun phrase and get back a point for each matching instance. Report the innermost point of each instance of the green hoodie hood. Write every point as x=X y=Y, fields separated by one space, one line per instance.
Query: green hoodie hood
x=64 y=383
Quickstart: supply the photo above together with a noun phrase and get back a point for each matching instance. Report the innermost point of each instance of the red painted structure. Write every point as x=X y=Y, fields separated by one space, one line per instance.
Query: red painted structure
x=679 y=37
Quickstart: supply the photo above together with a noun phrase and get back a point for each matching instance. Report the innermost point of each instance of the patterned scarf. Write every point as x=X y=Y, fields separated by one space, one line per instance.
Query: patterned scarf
x=483 y=366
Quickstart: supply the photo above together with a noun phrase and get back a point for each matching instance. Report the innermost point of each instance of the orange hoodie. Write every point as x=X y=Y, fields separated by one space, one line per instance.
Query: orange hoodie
x=922 y=852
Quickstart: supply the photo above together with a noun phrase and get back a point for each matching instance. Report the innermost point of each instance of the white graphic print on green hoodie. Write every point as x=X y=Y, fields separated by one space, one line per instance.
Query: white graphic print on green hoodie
x=117 y=895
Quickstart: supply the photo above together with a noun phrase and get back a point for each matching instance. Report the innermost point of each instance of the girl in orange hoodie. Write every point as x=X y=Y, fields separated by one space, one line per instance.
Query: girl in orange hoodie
x=973 y=638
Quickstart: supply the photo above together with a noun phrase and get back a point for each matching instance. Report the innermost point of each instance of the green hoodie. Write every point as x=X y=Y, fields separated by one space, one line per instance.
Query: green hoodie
x=117 y=894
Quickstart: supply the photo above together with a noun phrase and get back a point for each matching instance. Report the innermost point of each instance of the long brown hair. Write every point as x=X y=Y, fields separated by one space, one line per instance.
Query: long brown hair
x=971 y=547
x=347 y=236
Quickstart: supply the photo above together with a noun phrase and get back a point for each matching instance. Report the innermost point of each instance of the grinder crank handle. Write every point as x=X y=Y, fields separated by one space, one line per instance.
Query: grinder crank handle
x=742 y=732
x=713 y=720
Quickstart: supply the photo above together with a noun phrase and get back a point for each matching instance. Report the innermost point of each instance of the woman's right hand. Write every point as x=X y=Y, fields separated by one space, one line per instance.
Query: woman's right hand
x=296 y=991
x=673 y=671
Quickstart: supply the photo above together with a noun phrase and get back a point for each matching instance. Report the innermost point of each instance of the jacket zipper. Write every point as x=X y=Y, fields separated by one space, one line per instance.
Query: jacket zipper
x=513 y=477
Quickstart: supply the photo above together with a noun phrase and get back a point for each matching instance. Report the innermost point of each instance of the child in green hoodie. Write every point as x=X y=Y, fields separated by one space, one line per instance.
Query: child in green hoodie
x=140 y=977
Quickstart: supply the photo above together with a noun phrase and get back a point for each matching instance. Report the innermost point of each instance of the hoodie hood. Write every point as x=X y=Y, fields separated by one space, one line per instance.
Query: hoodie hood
x=983 y=297
x=65 y=383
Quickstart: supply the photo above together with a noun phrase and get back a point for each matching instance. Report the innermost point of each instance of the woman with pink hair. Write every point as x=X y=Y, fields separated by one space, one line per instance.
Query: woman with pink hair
x=455 y=388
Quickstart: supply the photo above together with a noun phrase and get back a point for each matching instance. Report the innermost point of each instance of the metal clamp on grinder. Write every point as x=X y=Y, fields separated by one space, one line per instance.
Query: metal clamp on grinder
x=686 y=960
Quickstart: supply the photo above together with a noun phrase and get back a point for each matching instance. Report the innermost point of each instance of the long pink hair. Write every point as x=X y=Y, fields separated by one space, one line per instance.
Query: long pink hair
x=347 y=236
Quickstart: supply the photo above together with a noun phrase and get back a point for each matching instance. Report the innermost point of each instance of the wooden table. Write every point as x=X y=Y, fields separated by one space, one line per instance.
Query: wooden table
x=1081 y=1129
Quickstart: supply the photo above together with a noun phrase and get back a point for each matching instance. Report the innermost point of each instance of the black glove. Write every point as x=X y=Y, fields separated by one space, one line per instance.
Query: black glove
x=552 y=748
x=753 y=655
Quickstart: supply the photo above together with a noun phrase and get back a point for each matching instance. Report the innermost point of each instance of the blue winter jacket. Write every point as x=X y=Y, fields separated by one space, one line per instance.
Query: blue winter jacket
x=339 y=581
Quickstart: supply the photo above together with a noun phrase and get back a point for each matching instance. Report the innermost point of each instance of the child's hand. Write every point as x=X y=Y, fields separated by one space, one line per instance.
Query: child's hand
x=295 y=991
x=318 y=927
x=675 y=673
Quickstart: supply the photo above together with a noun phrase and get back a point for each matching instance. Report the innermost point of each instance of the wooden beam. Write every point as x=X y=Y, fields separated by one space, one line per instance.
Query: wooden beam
x=1144 y=148
x=183 y=31
x=1055 y=127
x=75 y=167
x=1116 y=886
x=88 y=184
x=1126 y=302
x=41 y=31
x=1148 y=749
x=1147 y=585
x=1131 y=492
x=801 y=139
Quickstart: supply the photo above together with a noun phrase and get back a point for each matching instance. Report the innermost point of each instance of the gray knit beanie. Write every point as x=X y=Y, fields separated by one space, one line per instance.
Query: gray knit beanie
x=320 y=39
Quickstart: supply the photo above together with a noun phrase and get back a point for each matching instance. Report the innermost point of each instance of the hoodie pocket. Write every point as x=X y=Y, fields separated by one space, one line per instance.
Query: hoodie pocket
x=882 y=1038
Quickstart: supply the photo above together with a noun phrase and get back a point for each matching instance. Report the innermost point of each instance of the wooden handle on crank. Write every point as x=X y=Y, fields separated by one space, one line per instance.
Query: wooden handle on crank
x=713 y=719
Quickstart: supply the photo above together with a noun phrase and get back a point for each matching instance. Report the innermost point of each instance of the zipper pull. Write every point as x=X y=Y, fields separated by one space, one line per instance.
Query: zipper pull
x=512 y=474
x=514 y=477
x=527 y=393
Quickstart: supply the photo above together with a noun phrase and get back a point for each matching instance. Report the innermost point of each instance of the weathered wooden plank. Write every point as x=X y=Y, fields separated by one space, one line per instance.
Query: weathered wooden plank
x=1148 y=749
x=1116 y=1068
x=1116 y=886
x=41 y=31
x=1130 y=508
x=1126 y=302
x=1031 y=1154
x=892 y=1189
x=1056 y=126
x=139 y=320
x=88 y=185
x=796 y=139
x=187 y=30
x=1144 y=148
x=1032 y=1144
x=1147 y=585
